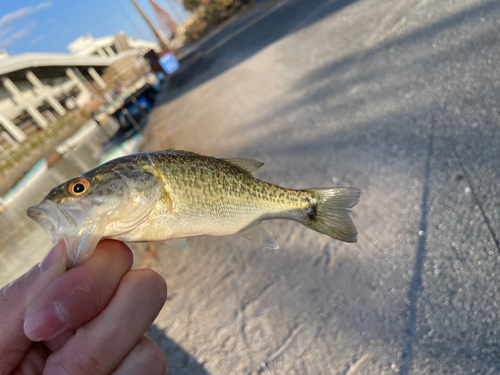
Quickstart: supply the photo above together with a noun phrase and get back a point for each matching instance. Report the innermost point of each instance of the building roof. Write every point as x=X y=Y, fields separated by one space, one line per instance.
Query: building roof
x=87 y=44
x=36 y=60
x=82 y=49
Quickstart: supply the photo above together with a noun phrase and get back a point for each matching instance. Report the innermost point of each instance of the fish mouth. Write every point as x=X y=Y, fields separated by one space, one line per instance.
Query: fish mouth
x=66 y=222
x=53 y=220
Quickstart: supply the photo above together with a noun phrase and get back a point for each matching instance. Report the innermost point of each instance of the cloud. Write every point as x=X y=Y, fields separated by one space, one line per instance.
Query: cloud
x=7 y=41
x=37 y=39
x=23 y=12
x=11 y=17
x=5 y=32
x=14 y=38
x=45 y=5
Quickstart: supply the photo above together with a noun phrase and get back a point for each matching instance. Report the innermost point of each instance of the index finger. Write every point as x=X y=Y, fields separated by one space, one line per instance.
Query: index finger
x=14 y=299
x=79 y=295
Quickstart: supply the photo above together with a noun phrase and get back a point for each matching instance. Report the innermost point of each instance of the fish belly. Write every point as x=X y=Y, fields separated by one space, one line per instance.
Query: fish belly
x=221 y=217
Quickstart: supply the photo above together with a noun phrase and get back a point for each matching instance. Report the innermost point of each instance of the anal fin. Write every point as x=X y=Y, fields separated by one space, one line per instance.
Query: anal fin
x=258 y=234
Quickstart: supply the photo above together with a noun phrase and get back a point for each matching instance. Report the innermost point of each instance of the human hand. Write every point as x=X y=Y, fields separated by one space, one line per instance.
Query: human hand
x=88 y=320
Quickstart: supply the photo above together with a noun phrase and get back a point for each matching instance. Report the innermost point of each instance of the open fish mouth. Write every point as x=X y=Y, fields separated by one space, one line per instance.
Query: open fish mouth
x=80 y=224
x=67 y=222
x=53 y=220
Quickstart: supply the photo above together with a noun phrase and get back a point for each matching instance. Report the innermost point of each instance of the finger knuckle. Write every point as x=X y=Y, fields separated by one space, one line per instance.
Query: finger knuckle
x=155 y=360
x=94 y=295
x=118 y=250
x=153 y=283
x=10 y=295
x=95 y=361
x=88 y=363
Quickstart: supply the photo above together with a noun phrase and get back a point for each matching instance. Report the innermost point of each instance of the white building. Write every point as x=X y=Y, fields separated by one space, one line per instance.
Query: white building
x=38 y=88
x=109 y=46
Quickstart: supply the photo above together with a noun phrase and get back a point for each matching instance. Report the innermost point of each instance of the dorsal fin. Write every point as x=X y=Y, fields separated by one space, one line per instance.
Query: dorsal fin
x=184 y=152
x=247 y=165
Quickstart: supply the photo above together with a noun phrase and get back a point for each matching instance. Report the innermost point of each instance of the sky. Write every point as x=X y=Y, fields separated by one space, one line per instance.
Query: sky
x=50 y=25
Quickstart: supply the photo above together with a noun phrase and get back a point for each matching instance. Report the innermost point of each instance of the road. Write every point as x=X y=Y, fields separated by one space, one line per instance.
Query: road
x=399 y=99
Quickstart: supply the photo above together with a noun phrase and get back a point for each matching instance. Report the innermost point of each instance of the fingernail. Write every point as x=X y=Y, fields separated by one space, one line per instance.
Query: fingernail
x=45 y=323
x=52 y=257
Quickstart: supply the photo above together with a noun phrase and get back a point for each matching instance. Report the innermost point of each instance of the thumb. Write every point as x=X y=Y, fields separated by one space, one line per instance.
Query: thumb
x=14 y=298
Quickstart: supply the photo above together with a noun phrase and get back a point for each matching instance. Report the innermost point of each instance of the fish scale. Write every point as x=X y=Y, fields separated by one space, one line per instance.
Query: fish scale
x=226 y=198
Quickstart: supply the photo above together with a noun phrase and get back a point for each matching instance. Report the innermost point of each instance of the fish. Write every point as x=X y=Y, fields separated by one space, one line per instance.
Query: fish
x=173 y=195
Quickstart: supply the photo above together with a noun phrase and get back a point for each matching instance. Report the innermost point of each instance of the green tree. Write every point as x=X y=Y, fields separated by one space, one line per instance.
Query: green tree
x=191 y=4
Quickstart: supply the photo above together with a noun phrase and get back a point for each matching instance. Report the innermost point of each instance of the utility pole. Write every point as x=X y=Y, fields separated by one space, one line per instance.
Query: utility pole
x=163 y=46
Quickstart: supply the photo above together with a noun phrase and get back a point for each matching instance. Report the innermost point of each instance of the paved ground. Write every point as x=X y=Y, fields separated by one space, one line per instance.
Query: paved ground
x=398 y=98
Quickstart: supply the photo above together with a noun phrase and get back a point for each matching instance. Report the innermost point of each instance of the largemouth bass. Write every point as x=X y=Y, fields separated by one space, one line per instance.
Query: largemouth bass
x=173 y=195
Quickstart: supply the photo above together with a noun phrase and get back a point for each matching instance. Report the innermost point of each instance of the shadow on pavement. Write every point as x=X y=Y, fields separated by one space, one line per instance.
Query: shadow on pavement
x=291 y=17
x=416 y=282
x=178 y=360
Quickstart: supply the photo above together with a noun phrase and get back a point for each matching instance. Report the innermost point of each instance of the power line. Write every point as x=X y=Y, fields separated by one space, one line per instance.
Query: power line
x=171 y=5
x=161 y=42
x=134 y=24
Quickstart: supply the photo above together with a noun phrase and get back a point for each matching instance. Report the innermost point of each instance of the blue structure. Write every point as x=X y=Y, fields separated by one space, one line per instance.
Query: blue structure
x=169 y=63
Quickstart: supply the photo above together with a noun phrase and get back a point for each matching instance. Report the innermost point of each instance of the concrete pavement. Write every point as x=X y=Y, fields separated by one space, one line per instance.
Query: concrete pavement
x=397 y=98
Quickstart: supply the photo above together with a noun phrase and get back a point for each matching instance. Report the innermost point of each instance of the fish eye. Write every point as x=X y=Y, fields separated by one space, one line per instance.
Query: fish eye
x=78 y=187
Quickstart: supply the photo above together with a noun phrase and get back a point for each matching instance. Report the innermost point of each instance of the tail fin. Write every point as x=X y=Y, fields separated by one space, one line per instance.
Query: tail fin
x=330 y=215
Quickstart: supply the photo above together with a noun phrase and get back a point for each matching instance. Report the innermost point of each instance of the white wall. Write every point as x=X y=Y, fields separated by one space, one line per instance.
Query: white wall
x=6 y=101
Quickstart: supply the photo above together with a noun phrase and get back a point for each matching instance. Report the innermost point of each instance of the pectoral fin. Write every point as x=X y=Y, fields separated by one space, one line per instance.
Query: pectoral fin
x=258 y=234
x=178 y=243
x=167 y=199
